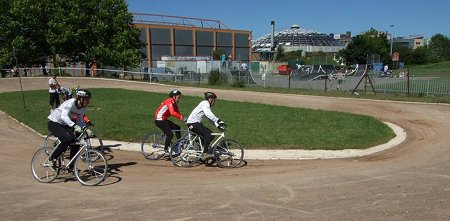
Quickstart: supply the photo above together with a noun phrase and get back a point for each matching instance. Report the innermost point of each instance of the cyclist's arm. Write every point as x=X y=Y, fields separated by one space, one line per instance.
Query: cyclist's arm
x=209 y=114
x=65 y=114
x=174 y=111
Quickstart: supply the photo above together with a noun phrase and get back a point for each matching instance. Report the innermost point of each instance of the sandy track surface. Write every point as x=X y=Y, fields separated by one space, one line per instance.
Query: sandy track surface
x=408 y=182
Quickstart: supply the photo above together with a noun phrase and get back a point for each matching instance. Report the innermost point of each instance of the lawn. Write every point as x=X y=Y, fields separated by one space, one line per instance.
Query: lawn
x=127 y=115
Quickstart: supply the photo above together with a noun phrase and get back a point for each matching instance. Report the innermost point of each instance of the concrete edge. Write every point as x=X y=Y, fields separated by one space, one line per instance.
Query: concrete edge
x=280 y=154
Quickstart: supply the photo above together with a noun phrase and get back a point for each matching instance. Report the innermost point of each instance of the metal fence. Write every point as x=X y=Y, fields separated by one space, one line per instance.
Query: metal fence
x=416 y=86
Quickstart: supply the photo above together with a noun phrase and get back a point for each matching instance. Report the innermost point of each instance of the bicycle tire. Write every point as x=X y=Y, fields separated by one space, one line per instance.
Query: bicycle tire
x=152 y=146
x=229 y=153
x=88 y=170
x=40 y=166
x=185 y=153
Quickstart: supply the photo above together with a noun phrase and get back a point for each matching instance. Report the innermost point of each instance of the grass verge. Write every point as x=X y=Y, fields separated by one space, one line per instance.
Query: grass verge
x=127 y=115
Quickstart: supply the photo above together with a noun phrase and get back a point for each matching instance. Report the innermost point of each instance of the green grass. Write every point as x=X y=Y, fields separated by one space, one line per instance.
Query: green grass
x=127 y=115
x=441 y=70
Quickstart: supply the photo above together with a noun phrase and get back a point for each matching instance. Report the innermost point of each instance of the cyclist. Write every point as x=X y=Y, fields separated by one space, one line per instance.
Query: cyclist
x=195 y=118
x=169 y=107
x=61 y=125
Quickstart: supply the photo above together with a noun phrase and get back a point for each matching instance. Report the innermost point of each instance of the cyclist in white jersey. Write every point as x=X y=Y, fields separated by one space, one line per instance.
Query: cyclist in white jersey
x=60 y=123
x=195 y=118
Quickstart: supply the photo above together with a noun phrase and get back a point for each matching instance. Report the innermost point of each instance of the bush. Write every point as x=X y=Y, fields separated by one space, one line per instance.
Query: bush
x=238 y=83
x=215 y=78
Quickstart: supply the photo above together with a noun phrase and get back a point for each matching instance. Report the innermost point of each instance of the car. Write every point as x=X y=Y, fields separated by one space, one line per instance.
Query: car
x=160 y=74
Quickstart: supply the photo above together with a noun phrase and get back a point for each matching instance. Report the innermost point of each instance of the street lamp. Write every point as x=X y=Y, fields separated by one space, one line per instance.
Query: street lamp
x=392 y=40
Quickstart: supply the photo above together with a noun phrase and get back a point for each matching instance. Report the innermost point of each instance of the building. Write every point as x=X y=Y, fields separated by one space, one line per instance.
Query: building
x=296 y=38
x=189 y=38
x=411 y=42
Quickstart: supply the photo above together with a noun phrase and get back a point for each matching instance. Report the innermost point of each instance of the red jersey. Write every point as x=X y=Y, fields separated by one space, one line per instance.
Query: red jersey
x=167 y=108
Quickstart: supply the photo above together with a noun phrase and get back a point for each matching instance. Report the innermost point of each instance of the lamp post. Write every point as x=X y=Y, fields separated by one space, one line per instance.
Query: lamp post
x=392 y=41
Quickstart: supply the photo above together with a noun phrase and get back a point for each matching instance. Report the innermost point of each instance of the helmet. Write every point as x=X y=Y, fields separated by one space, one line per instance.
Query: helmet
x=83 y=94
x=174 y=92
x=210 y=95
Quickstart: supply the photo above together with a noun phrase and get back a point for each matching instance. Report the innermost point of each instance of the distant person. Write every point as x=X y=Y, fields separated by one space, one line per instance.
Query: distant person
x=244 y=66
x=66 y=93
x=54 y=96
x=340 y=80
x=385 y=69
x=223 y=58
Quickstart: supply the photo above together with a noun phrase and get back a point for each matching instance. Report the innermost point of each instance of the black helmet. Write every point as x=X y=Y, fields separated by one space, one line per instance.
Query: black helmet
x=83 y=94
x=210 y=95
x=174 y=92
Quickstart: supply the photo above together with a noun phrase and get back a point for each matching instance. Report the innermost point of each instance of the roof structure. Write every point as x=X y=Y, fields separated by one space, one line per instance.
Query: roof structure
x=296 y=38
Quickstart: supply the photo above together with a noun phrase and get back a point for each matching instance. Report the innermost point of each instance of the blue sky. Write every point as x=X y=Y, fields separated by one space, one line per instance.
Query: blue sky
x=409 y=17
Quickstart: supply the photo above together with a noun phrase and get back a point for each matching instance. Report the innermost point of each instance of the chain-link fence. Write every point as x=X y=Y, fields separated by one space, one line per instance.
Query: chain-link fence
x=266 y=76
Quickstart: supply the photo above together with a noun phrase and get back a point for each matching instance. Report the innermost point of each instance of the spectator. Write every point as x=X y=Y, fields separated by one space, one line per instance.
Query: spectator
x=54 y=96
x=340 y=80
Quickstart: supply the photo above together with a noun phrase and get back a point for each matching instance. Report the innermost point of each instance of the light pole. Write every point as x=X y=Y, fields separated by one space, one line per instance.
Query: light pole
x=392 y=40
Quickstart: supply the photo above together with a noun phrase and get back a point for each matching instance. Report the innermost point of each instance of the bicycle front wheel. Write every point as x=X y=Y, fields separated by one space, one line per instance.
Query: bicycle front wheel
x=40 y=166
x=91 y=167
x=185 y=153
x=94 y=142
x=229 y=153
x=152 y=147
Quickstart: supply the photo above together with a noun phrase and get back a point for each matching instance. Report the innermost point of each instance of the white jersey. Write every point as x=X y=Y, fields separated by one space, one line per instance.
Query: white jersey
x=52 y=83
x=203 y=109
x=66 y=112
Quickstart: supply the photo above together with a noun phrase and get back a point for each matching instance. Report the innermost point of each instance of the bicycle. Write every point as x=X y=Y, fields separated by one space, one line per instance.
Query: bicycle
x=89 y=165
x=93 y=141
x=227 y=153
x=152 y=146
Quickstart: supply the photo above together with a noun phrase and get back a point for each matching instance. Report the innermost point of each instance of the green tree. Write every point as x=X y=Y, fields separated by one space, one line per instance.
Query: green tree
x=23 y=27
x=439 y=48
x=279 y=54
x=371 y=42
x=78 y=31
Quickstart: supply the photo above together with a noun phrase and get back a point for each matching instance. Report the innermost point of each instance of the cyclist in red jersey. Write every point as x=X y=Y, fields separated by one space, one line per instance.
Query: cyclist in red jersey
x=169 y=108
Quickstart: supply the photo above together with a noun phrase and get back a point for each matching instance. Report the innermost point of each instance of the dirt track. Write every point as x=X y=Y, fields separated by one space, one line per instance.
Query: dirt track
x=408 y=182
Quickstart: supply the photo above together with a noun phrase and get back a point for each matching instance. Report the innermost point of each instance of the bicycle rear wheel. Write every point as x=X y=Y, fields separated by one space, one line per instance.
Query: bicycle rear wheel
x=185 y=153
x=51 y=141
x=91 y=167
x=152 y=147
x=40 y=166
x=229 y=153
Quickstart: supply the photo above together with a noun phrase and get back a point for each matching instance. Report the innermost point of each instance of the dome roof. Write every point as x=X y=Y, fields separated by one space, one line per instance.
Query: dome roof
x=296 y=38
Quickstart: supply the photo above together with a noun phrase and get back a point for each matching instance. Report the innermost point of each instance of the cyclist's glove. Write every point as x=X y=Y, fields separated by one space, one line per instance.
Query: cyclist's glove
x=221 y=123
x=77 y=128
x=222 y=128
x=89 y=133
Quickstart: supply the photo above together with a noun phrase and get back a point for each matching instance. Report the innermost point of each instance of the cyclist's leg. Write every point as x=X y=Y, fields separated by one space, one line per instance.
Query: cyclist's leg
x=205 y=133
x=64 y=134
x=176 y=128
x=165 y=127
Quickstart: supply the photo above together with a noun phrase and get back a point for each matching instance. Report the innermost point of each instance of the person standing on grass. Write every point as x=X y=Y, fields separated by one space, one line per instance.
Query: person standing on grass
x=340 y=80
x=54 y=96
x=169 y=107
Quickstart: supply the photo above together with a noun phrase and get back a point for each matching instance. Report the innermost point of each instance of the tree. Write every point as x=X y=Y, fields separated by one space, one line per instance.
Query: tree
x=371 y=42
x=23 y=28
x=100 y=31
x=279 y=54
x=439 y=48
